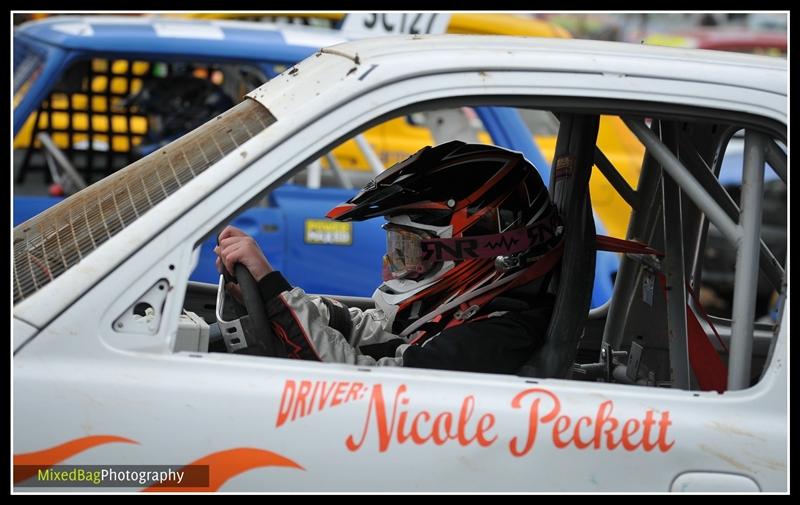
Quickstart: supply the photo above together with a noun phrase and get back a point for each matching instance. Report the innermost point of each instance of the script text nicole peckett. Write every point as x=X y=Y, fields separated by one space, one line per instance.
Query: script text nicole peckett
x=393 y=416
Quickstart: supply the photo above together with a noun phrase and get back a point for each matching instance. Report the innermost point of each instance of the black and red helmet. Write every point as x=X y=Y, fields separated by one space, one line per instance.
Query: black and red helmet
x=478 y=189
x=462 y=217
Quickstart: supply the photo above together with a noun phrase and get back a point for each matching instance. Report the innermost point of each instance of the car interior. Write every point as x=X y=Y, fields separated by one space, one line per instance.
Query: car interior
x=104 y=114
x=631 y=339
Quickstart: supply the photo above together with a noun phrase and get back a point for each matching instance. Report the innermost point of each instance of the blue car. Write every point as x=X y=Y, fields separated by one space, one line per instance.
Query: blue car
x=101 y=92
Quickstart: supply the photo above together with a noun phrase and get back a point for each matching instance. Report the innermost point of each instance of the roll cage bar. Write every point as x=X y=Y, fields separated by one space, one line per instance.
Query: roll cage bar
x=665 y=178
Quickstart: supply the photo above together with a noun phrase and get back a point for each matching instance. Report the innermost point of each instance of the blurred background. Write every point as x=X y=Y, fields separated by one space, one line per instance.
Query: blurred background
x=756 y=32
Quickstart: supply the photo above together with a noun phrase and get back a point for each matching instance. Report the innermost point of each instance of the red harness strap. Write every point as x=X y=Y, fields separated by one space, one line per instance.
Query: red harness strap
x=624 y=246
x=711 y=372
x=705 y=316
x=708 y=368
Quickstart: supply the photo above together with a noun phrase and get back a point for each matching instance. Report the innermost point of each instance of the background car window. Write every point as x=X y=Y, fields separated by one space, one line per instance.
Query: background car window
x=27 y=68
x=395 y=140
x=105 y=114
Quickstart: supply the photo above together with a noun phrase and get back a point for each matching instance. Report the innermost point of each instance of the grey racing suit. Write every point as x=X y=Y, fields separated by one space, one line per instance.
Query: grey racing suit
x=322 y=329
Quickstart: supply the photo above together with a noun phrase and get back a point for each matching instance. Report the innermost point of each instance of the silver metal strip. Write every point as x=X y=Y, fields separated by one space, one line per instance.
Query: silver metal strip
x=746 y=277
x=688 y=184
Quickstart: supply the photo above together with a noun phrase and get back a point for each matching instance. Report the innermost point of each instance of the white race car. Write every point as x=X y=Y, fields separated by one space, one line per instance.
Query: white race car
x=114 y=349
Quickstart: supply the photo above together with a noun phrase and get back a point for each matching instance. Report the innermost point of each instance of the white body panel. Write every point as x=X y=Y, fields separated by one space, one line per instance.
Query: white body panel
x=186 y=407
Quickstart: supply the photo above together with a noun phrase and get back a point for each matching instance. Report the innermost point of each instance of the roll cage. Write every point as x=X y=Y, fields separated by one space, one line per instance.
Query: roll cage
x=678 y=195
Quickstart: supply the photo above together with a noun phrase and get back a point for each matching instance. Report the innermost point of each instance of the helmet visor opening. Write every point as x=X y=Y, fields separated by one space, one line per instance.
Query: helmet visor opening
x=404 y=257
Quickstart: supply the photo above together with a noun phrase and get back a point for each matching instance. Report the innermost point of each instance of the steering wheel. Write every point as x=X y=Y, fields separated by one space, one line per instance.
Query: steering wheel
x=260 y=338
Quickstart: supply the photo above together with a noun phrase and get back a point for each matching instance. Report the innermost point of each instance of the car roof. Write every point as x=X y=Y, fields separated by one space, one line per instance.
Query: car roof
x=692 y=77
x=155 y=36
x=666 y=59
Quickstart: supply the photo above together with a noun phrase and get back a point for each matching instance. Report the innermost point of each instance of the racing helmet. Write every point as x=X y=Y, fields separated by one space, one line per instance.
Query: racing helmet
x=462 y=221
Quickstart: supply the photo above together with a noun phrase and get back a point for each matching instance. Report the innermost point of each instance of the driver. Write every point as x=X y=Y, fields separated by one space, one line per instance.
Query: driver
x=472 y=239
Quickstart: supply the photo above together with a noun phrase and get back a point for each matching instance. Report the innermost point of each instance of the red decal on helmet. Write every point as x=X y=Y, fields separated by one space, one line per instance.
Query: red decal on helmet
x=339 y=210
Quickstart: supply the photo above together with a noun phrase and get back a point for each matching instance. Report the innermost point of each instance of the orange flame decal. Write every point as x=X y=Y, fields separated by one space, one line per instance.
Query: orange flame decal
x=224 y=465
x=48 y=457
